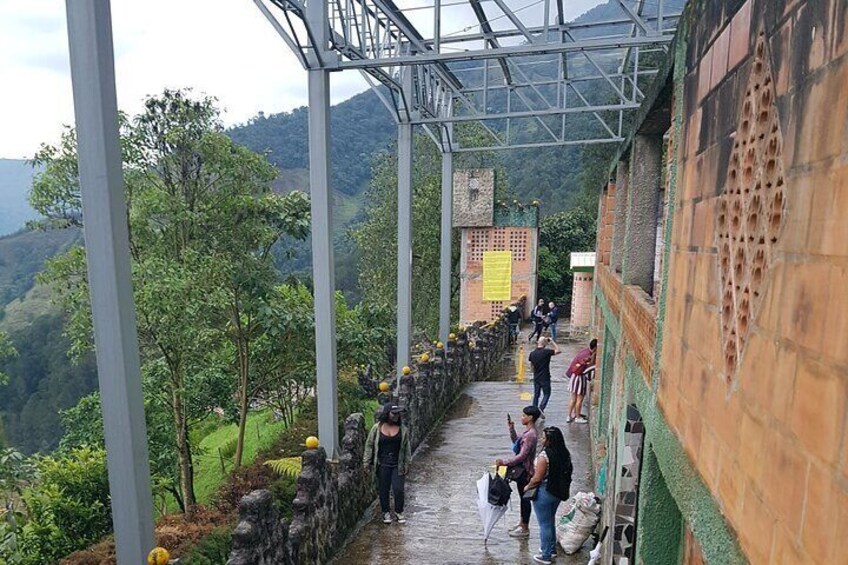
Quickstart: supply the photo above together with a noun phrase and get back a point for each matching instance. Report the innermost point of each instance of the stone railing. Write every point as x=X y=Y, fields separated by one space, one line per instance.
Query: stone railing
x=331 y=497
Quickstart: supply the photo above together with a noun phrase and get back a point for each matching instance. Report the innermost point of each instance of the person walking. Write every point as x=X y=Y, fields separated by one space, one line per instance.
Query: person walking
x=553 y=317
x=540 y=358
x=388 y=453
x=538 y=316
x=579 y=372
x=552 y=483
x=520 y=468
x=514 y=318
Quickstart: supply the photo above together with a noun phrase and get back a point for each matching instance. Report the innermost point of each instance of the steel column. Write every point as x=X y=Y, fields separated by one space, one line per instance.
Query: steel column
x=446 y=254
x=323 y=272
x=110 y=285
x=404 y=272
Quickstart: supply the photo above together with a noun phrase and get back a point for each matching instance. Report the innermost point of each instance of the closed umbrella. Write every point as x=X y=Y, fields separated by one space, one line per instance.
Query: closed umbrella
x=489 y=513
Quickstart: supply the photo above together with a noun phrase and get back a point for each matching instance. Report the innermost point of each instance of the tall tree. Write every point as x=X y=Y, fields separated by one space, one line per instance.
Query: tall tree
x=198 y=205
x=376 y=237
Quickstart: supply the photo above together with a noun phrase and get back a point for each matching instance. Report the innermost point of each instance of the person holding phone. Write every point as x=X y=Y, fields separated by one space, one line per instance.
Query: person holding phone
x=520 y=467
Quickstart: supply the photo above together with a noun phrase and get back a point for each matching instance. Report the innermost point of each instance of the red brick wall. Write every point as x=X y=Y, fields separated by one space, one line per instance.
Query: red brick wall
x=522 y=243
x=754 y=370
x=606 y=221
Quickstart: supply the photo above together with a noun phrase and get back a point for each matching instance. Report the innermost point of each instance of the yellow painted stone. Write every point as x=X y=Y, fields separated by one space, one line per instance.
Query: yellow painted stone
x=439 y=345
x=424 y=358
x=406 y=370
x=452 y=336
x=384 y=386
x=312 y=442
x=525 y=396
x=158 y=556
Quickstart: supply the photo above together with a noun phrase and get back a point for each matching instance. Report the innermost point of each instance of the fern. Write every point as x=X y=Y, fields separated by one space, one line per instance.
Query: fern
x=287 y=466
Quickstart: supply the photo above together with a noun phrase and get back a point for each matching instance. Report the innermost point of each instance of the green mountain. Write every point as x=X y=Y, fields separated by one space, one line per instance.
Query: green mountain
x=15 y=181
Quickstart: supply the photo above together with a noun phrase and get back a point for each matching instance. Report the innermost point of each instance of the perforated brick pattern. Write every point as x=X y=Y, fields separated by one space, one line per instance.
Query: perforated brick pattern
x=478 y=242
x=751 y=211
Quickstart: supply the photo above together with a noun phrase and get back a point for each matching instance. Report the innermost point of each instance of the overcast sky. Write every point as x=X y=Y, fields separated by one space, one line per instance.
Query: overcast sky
x=224 y=48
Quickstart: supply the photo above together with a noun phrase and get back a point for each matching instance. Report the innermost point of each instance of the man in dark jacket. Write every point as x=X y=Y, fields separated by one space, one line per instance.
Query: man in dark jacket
x=553 y=317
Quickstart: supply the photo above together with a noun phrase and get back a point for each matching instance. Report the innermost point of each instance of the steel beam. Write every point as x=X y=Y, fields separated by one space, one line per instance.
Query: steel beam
x=446 y=253
x=110 y=285
x=528 y=113
x=539 y=144
x=502 y=33
x=509 y=51
x=323 y=269
x=404 y=219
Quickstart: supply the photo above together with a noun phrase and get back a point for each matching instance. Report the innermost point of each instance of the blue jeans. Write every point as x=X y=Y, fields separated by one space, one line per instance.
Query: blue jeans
x=545 y=507
x=553 y=327
x=540 y=387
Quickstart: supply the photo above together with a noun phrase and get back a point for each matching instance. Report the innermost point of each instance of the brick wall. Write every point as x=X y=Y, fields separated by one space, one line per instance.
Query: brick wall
x=606 y=223
x=475 y=241
x=754 y=367
x=581 y=300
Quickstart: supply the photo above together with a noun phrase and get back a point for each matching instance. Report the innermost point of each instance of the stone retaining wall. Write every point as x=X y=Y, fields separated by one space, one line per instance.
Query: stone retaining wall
x=332 y=496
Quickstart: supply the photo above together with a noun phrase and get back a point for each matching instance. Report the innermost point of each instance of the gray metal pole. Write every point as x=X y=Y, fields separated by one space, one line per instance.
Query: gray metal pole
x=404 y=273
x=323 y=273
x=108 y=257
x=446 y=251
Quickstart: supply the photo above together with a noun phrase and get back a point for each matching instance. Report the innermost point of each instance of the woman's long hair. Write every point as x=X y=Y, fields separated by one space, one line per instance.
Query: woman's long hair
x=559 y=463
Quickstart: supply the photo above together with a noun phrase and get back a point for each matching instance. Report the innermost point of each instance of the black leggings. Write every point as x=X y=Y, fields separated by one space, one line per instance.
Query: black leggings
x=538 y=328
x=526 y=506
x=389 y=478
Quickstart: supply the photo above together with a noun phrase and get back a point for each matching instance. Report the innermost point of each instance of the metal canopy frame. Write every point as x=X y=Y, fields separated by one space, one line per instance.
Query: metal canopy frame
x=423 y=81
x=530 y=75
x=516 y=73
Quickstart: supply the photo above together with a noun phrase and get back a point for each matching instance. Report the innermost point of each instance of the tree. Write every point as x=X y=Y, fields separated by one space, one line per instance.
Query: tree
x=200 y=216
x=16 y=474
x=376 y=237
x=7 y=351
x=559 y=236
x=249 y=276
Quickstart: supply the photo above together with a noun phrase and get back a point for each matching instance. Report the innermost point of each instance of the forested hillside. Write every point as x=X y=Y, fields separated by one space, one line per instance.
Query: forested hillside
x=15 y=180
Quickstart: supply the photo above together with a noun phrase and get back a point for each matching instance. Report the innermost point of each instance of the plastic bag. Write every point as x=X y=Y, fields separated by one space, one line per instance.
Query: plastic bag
x=581 y=514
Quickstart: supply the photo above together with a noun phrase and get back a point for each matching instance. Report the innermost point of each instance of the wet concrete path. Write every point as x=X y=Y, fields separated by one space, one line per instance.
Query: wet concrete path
x=443 y=524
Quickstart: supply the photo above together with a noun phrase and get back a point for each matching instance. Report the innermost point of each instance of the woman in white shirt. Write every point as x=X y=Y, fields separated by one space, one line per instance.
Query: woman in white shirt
x=552 y=481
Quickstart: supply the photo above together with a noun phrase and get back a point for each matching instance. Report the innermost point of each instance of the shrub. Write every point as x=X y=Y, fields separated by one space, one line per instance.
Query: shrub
x=214 y=549
x=69 y=507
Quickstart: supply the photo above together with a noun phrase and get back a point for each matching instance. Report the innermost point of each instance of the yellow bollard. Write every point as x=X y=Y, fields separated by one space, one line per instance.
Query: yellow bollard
x=521 y=368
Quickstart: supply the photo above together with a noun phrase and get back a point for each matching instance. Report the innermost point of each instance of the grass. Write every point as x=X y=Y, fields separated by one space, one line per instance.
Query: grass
x=261 y=432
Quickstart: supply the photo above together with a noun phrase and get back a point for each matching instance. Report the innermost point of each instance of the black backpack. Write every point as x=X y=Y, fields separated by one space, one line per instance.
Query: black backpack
x=499 y=490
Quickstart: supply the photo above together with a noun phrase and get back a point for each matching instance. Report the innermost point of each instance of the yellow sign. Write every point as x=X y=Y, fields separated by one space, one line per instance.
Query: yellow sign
x=497 y=275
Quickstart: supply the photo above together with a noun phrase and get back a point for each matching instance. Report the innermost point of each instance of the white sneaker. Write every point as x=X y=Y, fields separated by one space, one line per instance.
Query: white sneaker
x=539 y=559
x=581 y=420
x=387 y=518
x=401 y=518
x=519 y=533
